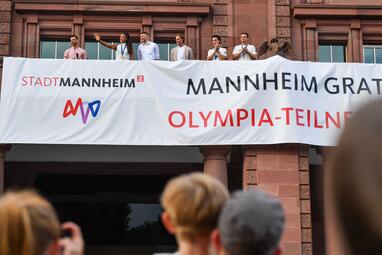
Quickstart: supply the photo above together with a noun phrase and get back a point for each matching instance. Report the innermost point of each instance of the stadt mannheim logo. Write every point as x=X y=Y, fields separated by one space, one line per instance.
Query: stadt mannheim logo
x=86 y=108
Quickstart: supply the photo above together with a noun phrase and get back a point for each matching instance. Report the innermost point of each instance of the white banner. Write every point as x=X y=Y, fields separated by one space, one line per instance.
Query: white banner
x=181 y=103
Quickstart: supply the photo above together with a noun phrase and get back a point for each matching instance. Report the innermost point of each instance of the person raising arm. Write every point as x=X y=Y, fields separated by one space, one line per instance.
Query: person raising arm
x=123 y=50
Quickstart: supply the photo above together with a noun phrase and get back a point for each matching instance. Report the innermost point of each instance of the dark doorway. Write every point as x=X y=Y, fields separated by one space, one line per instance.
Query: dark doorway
x=118 y=214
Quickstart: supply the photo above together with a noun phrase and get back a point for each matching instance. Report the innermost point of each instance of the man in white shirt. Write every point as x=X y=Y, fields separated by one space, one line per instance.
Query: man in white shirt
x=244 y=51
x=147 y=50
x=217 y=52
x=181 y=51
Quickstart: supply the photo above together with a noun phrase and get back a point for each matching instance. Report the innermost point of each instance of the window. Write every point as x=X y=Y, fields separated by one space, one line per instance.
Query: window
x=56 y=50
x=95 y=50
x=165 y=50
x=53 y=49
x=372 y=54
x=331 y=53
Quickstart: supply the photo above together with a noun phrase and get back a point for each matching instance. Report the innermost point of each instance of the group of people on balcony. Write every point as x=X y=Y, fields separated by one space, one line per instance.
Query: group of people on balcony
x=148 y=50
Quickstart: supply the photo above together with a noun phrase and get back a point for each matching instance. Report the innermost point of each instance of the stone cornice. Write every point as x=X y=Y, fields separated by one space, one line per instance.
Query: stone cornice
x=115 y=7
x=338 y=11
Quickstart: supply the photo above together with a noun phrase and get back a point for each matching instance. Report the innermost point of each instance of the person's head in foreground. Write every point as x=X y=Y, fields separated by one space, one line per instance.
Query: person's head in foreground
x=29 y=226
x=251 y=223
x=192 y=204
x=355 y=180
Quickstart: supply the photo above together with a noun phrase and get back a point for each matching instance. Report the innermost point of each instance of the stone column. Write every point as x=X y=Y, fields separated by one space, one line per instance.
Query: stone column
x=32 y=37
x=271 y=16
x=310 y=36
x=219 y=26
x=191 y=34
x=283 y=30
x=354 y=49
x=5 y=28
x=147 y=26
x=283 y=171
x=3 y=150
x=5 y=32
x=215 y=161
x=78 y=29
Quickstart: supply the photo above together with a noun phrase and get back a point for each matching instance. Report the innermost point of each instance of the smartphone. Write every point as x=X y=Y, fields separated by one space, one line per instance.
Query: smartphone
x=66 y=233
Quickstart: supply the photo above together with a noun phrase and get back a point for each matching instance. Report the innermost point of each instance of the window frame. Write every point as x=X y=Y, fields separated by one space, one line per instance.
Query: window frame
x=331 y=51
x=374 y=46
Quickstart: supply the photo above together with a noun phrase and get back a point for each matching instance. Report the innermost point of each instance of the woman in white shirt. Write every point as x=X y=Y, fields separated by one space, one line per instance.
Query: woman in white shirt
x=123 y=50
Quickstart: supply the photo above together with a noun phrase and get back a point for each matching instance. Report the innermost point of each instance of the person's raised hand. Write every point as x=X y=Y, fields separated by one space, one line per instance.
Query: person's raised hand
x=97 y=37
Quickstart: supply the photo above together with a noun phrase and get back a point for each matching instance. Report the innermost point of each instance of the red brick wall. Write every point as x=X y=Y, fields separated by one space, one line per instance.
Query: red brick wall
x=283 y=30
x=5 y=31
x=248 y=16
x=283 y=171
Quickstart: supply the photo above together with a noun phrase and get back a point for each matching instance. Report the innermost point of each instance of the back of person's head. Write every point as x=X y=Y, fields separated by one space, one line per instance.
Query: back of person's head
x=356 y=181
x=263 y=48
x=251 y=223
x=284 y=49
x=284 y=46
x=193 y=203
x=28 y=224
x=274 y=40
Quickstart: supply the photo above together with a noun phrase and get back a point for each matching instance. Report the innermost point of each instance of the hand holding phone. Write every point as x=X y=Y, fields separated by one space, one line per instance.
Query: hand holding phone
x=72 y=242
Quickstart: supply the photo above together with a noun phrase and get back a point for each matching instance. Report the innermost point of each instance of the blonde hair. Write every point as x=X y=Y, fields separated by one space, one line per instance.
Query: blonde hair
x=28 y=224
x=194 y=202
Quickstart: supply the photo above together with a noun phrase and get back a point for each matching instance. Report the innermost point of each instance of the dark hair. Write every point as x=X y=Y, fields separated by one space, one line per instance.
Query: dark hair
x=180 y=35
x=251 y=222
x=127 y=35
x=128 y=42
x=283 y=49
x=274 y=40
x=245 y=33
x=217 y=37
x=73 y=36
x=263 y=49
x=356 y=180
x=145 y=33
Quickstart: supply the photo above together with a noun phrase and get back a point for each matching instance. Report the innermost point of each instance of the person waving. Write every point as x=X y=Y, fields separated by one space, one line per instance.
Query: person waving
x=123 y=50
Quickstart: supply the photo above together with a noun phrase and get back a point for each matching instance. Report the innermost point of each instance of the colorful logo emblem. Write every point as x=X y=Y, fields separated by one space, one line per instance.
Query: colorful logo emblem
x=85 y=109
